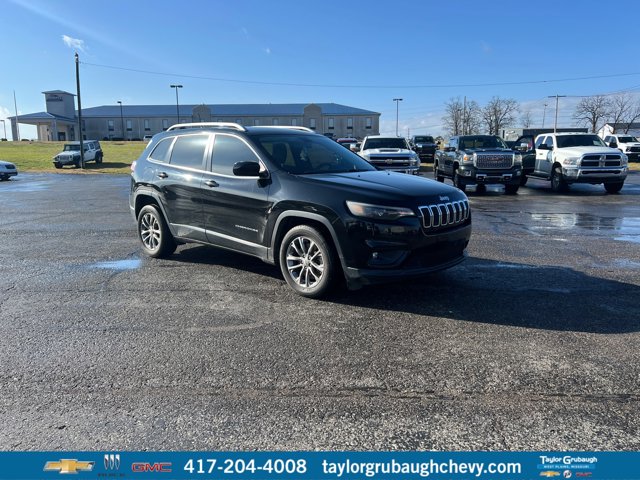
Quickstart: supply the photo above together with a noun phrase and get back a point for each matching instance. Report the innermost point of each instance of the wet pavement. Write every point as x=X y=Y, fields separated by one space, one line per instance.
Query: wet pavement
x=531 y=343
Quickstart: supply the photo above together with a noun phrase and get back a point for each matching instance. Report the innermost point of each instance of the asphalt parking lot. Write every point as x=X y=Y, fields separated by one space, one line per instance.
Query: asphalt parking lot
x=533 y=343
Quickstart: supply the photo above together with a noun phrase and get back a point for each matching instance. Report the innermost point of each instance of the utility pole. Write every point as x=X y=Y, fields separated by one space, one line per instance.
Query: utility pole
x=79 y=111
x=464 y=116
x=15 y=105
x=555 y=125
x=544 y=113
x=177 y=104
x=121 y=118
x=397 y=100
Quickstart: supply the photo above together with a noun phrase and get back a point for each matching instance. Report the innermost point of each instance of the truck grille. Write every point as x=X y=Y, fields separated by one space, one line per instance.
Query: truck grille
x=494 y=161
x=390 y=161
x=444 y=215
x=633 y=149
x=609 y=160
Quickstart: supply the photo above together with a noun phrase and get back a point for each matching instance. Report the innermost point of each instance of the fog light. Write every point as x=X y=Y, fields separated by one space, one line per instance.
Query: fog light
x=387 y=258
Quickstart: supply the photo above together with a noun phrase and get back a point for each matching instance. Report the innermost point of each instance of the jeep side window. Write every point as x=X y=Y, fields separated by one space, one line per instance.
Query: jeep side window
x=227 y=151
x=161 y=152
x=188 y=151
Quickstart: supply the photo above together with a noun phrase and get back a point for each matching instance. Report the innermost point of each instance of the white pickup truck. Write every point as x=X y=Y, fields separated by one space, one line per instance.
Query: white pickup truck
x=567 y=158
x=627 y=144
x=390 y=153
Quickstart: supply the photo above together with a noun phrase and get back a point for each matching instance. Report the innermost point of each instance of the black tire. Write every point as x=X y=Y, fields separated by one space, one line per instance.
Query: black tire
x=523 y=180
x=3 y=178
x=436 y=173
x=457 y=181
x=57 y=165
x=154 y=234
x=481 y=188
x=77 y=163
x=558 y=184
x=98 y=158
x=613 y=187
x=511 y=189
x=307 y=261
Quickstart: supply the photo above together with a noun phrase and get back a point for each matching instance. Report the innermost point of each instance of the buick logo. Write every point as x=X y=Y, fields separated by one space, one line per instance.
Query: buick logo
x=111 y=461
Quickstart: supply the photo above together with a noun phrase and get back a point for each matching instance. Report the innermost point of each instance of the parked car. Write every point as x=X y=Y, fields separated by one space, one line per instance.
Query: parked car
x=7 y=170
x=295 y=199
x=627 y=144
x=147 y=138
x=479 y=160
x=567 y=158
x=390 y=153
x=424 y=146
x=70 y=155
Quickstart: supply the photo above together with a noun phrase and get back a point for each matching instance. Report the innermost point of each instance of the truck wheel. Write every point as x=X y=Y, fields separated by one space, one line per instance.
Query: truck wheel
x=77 y=163
x=457 y=181
x=99 y=158
x=57 y=165
x=511 y=189
x=613 y=187
x=523 y=180
x=436 y=173
x=307 y=261
x=154 y=234
x=481 y=188
x=558 y=183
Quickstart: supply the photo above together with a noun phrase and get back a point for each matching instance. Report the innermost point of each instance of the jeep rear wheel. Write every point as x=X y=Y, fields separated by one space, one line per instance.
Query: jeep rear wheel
x=307 y=261
x=613 y=187
x=558 y=183
x=154 y=234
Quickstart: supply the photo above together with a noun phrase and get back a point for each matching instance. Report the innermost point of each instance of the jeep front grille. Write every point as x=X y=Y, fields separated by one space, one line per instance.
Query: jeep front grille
x=484 y=160
x=444 y=215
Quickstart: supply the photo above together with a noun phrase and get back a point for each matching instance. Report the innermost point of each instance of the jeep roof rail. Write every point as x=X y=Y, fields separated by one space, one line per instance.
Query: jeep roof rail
x=231 y=125
x=292 y=127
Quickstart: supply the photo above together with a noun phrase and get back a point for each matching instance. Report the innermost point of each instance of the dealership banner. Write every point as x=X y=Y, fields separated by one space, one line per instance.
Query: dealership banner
x=321 y=465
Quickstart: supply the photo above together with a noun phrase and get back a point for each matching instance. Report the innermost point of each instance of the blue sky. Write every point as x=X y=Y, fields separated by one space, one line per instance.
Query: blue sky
x=356 y=53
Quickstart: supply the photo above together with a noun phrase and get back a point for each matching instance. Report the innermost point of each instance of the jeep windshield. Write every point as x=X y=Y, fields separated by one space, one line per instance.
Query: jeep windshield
x=481 y=141
x=71 y=148
x=309 y=154
x=566 y=141
x=385 y=143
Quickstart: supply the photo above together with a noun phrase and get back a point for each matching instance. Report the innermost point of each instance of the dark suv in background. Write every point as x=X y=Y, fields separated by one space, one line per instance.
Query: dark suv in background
x=295 y=199
x=424 y=146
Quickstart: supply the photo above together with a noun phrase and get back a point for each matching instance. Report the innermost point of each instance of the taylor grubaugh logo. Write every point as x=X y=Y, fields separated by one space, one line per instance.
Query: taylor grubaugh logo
x=68 y=466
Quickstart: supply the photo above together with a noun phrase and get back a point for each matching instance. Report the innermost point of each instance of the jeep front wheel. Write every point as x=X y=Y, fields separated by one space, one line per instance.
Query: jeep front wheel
x=307 y=261
x=154 y=234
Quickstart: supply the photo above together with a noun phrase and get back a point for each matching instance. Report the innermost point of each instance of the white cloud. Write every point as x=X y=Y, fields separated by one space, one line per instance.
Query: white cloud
x=73 y=43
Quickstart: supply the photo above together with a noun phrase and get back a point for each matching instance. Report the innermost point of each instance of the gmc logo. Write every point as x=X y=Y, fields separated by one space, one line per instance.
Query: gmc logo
x=151 y=467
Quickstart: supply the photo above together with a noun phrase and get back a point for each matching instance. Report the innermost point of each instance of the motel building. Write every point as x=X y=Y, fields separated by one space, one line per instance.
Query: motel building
x=133 y=122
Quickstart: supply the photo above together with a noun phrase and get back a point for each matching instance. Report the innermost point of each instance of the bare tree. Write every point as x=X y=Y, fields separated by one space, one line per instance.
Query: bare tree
x=625 y=110
x=499 y=113
x=593 y=111
x=526 y=119
x=461 y=117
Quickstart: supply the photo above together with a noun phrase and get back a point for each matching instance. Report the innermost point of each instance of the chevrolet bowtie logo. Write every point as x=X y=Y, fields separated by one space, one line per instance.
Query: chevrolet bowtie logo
x=549 y=474
x=68 y=466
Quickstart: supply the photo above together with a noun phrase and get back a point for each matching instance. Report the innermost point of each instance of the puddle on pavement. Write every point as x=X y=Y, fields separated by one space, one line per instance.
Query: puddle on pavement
x=128 y=264
x=627 y=228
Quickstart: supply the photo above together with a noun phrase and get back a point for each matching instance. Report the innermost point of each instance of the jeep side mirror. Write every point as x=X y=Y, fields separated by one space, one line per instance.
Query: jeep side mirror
x=248 y=169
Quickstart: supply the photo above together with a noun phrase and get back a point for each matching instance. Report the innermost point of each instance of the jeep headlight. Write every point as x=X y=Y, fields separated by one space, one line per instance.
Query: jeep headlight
x=517 y=159
x=571 y=161
x=468 y=158
x=378 y=212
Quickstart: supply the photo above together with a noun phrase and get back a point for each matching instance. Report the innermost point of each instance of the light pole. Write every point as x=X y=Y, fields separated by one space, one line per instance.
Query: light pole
x=121 y=118
x=177 y=104
x=5 y=128
x=544 y=113
x=555 y=125
x=397 y=100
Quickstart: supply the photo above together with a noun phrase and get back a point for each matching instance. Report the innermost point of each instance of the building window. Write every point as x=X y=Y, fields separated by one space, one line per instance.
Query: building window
x=294 y=122
x=84 y=125
x=110 y=125
x=165 y=124
x=330 y=124
x=275 y=122
x=312 y=123
x=256 y=122
x=129 y=126
x=368 y=123
x=239 y=121
x=147 y=127
x=349 y=123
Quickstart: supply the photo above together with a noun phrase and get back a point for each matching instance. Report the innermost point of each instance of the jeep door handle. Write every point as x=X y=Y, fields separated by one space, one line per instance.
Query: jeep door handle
x=211 y=183
x=162 y=175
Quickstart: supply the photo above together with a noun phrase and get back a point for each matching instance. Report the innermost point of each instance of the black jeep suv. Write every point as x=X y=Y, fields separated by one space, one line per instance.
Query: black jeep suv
x=296 y=199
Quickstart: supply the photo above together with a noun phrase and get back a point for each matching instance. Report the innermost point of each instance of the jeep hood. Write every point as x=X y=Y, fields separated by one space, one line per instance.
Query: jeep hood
x=386 y=184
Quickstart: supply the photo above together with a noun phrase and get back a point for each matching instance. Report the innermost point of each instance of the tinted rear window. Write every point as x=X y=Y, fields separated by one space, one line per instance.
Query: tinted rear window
x=188 y=151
